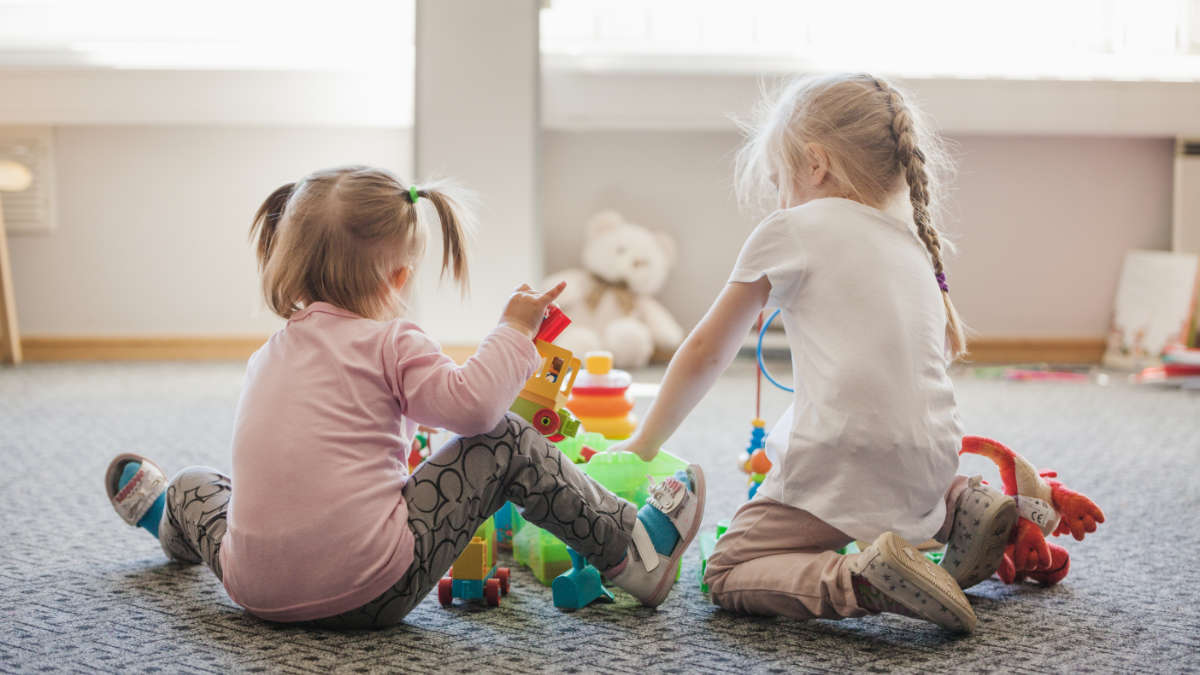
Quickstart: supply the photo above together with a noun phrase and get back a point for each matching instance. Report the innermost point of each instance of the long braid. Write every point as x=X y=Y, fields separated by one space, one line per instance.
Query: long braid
x=912 y=163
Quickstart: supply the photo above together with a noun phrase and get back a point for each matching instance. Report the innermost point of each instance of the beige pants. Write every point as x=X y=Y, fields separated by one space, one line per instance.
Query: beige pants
x=778 y=560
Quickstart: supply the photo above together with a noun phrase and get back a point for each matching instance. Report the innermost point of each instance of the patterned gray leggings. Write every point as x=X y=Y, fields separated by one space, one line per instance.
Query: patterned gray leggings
x=449 y=496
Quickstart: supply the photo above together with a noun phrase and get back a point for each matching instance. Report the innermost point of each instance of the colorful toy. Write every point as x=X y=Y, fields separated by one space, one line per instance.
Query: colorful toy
x=508 y=523
x=422 y=445
x=475 y=574
x=543 y=400
x=754 y=460
x=543 y=553
x=579 y=586
x=707 y=541
x=625 y=474
x=1046 y=507
x=601 y=398
x=583 y=446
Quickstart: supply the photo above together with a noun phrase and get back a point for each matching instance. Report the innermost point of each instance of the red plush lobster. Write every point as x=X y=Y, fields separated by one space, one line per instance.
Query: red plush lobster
x=1046 y=507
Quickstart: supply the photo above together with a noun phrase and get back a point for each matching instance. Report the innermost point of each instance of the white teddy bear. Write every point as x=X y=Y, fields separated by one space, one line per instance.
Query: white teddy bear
x=609 y=301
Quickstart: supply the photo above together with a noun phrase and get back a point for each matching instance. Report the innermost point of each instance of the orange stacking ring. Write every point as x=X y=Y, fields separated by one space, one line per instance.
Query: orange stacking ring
x=584 y=405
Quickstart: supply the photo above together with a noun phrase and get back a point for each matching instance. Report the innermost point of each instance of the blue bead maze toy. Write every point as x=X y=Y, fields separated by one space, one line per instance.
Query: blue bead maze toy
x=579 y=586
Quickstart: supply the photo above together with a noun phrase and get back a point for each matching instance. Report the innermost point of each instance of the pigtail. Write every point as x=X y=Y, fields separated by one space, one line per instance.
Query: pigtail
x=266 y=221
x=912 y=163
x=456 y=223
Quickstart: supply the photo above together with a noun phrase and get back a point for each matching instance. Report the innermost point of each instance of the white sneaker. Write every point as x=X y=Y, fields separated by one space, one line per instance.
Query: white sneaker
x=648 y=575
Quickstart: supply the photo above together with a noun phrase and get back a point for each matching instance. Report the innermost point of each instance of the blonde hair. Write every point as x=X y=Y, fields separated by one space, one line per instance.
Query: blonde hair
x=875 y=141
x=340 y=235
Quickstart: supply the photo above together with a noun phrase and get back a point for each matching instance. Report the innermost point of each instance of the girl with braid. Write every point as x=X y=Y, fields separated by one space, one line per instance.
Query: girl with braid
x=868 y=449
x=321 y=520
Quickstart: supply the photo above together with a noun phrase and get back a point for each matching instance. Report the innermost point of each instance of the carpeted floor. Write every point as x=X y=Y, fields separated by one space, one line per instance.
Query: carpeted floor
x=80 y=591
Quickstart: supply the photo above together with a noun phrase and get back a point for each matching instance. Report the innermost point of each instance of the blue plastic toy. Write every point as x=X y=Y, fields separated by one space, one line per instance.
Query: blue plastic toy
x=579 y=586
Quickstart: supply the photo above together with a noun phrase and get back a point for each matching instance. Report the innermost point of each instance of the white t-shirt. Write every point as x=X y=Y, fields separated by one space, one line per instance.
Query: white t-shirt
x=870 y=443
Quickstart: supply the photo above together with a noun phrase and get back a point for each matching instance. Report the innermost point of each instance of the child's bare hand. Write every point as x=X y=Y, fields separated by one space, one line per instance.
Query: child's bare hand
x=527 y=307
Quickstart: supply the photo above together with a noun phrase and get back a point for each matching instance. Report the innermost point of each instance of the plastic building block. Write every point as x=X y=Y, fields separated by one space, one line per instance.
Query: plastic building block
x=574 y=448
x=626 y=474
x=623 y=473
x=707 y=541
x=579 y=586
x=474 y=574
x=490 y=589
x=543 y=400
x=555 y=424
x=553 y=324
x=474 y=562
x=507 y=523
x=601 y=398
x=541 y=552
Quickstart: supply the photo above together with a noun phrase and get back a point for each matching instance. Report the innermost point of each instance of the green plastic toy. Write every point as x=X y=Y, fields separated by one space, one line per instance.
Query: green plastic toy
x=626 y=474
x=543 y=553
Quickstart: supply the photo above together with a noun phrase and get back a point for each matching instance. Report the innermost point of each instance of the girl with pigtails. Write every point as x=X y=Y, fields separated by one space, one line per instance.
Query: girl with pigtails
x=868 y=448
x=321 y=521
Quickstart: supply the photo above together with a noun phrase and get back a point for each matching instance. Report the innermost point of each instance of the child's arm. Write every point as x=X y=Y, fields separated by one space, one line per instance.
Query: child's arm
x=702 y=357
x=472 y=398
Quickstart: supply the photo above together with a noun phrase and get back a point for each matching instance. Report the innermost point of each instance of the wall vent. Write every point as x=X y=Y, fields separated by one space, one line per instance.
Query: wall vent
x=31 y=211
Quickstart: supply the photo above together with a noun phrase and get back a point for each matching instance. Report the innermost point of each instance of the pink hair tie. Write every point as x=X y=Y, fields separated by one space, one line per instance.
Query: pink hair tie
x=941 y=279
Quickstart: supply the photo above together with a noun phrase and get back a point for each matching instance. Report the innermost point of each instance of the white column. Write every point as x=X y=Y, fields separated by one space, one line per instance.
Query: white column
x=477 y=121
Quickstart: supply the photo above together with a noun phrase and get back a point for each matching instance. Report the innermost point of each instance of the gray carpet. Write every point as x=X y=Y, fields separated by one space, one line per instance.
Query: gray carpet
x=80 y=591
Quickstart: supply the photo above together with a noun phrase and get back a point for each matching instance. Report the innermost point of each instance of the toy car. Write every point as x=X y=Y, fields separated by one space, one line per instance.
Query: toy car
x=543 y=400
x=474 y=575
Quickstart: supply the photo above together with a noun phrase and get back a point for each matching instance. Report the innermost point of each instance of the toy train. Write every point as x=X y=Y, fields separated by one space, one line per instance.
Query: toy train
x=543 y=400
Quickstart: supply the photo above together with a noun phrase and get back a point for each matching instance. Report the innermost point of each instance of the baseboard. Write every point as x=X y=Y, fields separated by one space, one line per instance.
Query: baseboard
x=239 y=348
x=141 y=347
x=1081 y=350
x=158 y=348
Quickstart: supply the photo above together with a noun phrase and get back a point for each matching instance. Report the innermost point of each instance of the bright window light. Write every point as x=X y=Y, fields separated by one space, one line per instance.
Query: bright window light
x=353 y=35
x=1024 y=39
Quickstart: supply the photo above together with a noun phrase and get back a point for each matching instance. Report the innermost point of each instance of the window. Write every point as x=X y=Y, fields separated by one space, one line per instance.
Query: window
x=355 y=35
x=1020 y=39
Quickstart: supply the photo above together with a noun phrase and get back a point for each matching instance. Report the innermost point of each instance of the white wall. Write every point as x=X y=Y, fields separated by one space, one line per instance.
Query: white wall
x=153 y=222
x=477 y=121
x=1042 y=222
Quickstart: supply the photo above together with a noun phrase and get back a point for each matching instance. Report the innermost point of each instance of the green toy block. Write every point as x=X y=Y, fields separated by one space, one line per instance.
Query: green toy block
x=625 y=473
x=541 y=552
x=487 y=532
x=707 y=541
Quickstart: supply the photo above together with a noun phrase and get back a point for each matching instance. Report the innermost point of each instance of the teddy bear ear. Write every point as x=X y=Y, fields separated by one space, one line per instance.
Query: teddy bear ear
x=667 y=244
x=604 y=221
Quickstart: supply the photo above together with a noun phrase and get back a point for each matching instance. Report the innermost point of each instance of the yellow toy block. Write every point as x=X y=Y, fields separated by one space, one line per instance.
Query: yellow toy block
x=473 y=563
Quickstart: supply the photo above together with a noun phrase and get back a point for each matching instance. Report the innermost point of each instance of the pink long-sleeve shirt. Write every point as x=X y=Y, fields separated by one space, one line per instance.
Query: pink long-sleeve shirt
x=318 y=524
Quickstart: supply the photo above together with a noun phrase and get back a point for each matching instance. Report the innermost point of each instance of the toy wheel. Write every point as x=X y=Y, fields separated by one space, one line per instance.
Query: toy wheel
x=502 y=575
x=545 y=421
x=491 y=592
x=446 y=591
